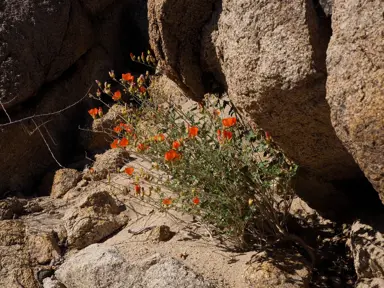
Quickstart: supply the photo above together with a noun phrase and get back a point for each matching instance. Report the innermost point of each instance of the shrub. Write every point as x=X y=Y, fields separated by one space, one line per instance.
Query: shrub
x=223 y=172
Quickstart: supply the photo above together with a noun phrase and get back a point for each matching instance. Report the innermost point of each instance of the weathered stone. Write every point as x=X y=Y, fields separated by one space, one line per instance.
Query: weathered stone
x=112 y=160
x=170 y=273
x=272 y=54
x=326 y=5
x=11 y=208
x=104 y=267
x=367 y=245
x=355 y=63
x=174 y=26
x=95 y=218
x=100 y=202
x=290 y=272
x=161 y=233
x=370 y=283
x=49 y=283
x=15 y=269
x=64 y=180
x=95 y=266
x=43 y=248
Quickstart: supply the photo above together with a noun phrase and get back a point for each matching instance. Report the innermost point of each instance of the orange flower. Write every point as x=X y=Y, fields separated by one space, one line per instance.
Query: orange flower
x=229 y=122
x=117 y=129
x=93 y=112
x=142 y=89
x=167 y=201
x=142 y=147
x=159 y=137
x=176 y=144
x=114 y=143
x=227 y=135
x=196 y=200
x=117 y=95
x=192 y=131
x=137 y=189
x=171 y=155
x=125 y=127
x=123 y=142
x=129 y=170
x=128 y=77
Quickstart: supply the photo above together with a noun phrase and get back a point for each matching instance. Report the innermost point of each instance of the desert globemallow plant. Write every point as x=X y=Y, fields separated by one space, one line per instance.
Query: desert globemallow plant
x=227 y=175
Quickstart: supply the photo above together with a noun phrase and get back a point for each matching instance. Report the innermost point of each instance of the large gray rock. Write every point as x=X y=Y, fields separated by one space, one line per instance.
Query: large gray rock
x=272 y=56
x=355 y=63
x=100 y=266
x=39 y=41
x=269 y=56
x=95 y=266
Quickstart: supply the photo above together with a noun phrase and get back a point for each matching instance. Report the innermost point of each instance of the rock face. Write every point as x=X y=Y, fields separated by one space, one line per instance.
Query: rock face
x=174 y=28
x=34 y=51
x=93 y=219
x=63 y=181
x=270 y=57
x=355 y=63
x=367 y=244
x=14 y=262
x=50 y=54
x=104 y=267
x=274 y=68
x=290 y=272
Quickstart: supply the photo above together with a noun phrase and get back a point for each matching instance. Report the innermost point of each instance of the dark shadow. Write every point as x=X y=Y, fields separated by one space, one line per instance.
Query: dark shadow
x=213 y=77
x=133 y=37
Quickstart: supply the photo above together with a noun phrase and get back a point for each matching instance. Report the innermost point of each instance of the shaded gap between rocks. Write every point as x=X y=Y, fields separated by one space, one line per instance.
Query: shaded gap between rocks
x=363 y=201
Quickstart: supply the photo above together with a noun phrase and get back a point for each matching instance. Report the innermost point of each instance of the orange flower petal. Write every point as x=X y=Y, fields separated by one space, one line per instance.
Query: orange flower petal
x=128 y=77
x=114 y=143
x=227 y=135
x=117 y=95
x=171 y=155
x=93 y=112
x=129 y=170
x=123 y=142
x=142 y=147
x=137 y=189
x=167 y=201
x=229 y=122
x=117 y=129
x=192 y=131
x=142 y=89
x=176 y=145
x=196 y=200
